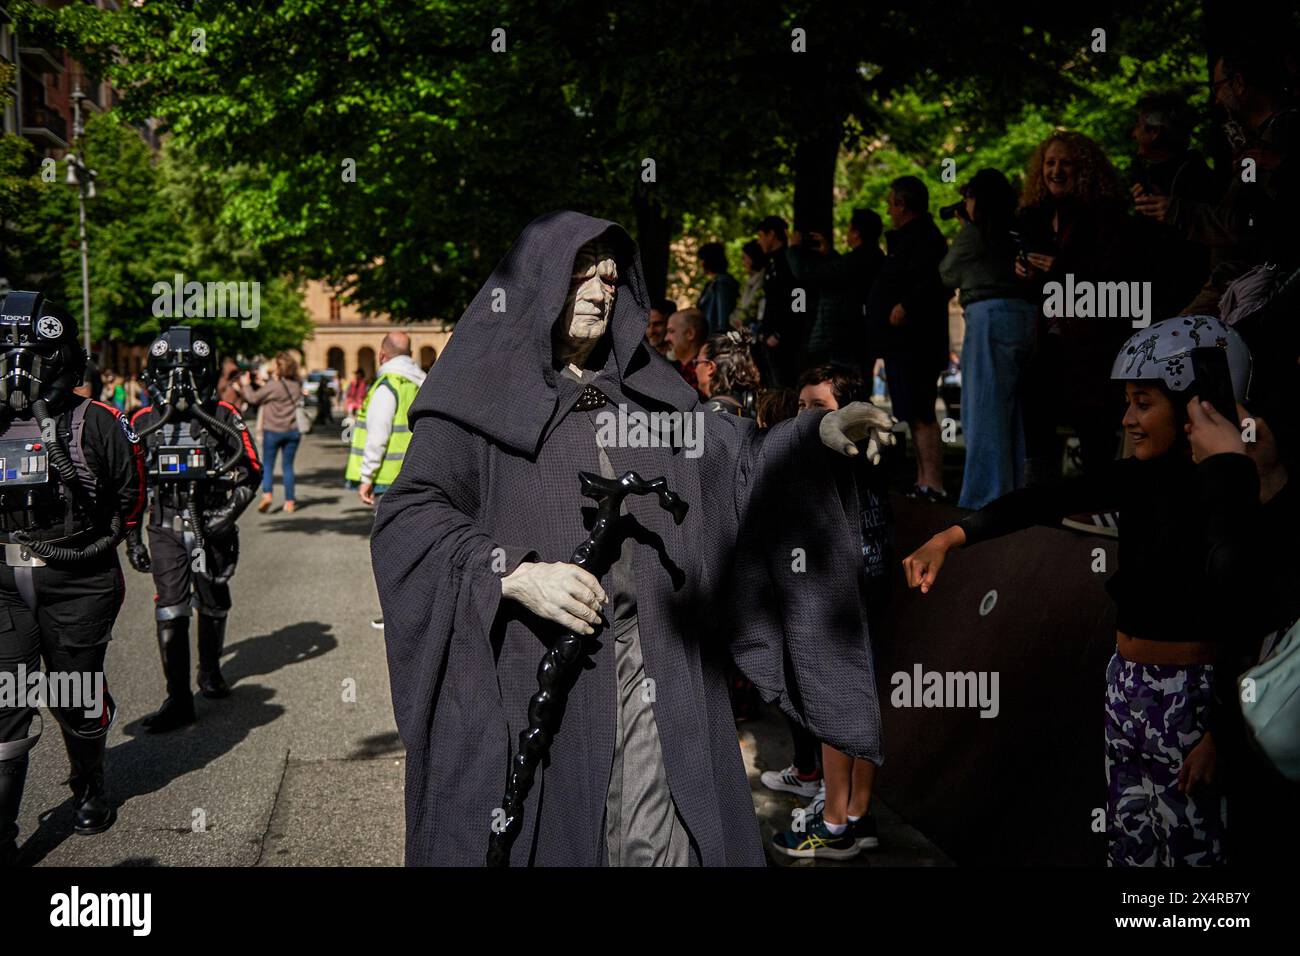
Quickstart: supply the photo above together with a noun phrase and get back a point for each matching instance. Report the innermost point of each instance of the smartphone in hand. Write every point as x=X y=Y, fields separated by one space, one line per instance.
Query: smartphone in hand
x=1213 y=381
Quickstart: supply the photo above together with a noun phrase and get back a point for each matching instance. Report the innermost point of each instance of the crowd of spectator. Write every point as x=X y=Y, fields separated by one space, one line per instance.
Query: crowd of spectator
x=1207 y=242
x=1204 y=495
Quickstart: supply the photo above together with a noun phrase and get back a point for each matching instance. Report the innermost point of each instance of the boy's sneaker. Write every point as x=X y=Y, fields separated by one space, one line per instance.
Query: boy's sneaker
x=864 y=832
x=1102 y=522
x=818 y=802
x=816 y=841
x=926 y=493
x=789 y=781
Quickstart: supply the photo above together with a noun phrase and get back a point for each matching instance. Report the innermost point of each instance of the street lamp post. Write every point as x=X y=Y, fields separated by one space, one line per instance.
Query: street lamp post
x=85 y=181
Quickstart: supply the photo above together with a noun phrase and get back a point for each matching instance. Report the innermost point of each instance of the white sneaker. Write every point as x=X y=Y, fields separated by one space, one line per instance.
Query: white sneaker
x=788 y=781
x=377 y=624
x=818 y=803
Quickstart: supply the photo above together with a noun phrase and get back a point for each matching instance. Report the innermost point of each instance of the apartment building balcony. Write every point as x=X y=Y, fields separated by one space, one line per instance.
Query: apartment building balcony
x=44 y=124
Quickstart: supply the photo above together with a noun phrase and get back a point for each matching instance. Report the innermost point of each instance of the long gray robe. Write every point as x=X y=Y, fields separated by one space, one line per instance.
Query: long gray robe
x=767 y=565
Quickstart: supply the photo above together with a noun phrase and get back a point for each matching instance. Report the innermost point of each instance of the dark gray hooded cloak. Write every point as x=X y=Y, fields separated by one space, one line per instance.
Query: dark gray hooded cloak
x=767 y=565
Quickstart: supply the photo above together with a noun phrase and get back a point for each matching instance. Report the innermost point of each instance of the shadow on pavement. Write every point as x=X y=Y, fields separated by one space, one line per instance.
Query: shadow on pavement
x=145 y=763
x=356 y=522
x=329 y=477
x=256 y=656
x=380 y=745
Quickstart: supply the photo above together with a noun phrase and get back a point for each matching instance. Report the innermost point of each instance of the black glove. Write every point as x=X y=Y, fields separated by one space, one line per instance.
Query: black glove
x=136 y=552
x=219 y=521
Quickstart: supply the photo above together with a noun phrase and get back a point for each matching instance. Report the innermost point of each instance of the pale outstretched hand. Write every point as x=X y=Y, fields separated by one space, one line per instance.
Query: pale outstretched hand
x=842 y=428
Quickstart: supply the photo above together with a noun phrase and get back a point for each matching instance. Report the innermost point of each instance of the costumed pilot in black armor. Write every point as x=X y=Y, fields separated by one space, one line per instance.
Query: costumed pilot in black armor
x=202 y=472
x=71 y=487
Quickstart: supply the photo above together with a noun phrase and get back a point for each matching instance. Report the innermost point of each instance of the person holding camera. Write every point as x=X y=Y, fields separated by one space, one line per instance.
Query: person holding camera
x=1166 y=167
x=1252 y=224
x=1072 y=223
x=999 y=336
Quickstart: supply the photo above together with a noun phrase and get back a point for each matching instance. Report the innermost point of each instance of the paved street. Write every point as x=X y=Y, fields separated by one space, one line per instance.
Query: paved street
x=284 y=770
x=292 y=768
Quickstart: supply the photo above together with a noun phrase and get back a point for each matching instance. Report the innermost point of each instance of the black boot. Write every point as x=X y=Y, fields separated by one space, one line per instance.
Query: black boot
x=174 y=646
x=94 y=813
x=212 y=637
x=13 y=774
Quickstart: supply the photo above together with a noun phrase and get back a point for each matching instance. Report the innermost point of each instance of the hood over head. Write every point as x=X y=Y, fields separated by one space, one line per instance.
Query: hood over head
x=496 y=375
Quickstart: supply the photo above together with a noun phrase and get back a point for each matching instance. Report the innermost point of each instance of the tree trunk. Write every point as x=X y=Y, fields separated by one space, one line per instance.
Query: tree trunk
x=1216 y=21
x=654 y=230
x=814 y=178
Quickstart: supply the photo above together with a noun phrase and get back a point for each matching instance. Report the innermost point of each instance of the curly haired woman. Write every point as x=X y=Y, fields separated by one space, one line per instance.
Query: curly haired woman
x=727 y=374
x=1072 y=221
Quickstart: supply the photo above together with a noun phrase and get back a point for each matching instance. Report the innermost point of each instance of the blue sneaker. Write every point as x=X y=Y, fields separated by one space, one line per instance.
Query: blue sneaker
x=864 y=832
x=816 y=841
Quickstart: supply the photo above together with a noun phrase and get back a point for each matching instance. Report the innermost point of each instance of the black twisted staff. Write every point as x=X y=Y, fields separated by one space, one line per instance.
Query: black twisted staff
x=560 y=664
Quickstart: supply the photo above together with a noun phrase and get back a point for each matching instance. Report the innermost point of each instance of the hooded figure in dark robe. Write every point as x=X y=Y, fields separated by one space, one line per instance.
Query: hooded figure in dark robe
x=470 y=553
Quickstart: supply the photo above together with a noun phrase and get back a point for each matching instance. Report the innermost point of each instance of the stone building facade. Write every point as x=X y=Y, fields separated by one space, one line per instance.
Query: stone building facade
x=344 y=339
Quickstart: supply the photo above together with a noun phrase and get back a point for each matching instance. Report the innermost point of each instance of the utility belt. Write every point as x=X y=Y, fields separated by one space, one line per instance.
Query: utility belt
x=179 y=520
x=172 y=502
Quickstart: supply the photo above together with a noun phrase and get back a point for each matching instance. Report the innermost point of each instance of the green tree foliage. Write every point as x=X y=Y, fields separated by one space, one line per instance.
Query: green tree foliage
x=150 y=218
x=396 y=147
x=995 y=122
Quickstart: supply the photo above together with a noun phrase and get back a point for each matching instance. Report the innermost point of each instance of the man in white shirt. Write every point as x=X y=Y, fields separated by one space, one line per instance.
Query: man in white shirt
x=382 y=407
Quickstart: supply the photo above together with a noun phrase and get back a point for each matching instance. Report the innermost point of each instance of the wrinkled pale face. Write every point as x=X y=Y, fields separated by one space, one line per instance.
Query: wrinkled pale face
x=591 y=293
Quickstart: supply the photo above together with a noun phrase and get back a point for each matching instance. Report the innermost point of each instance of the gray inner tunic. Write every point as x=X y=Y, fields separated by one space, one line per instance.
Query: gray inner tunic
x=642 y=825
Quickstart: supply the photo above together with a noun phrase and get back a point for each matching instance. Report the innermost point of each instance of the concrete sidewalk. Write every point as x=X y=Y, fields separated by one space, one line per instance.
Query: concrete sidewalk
x=302 y=764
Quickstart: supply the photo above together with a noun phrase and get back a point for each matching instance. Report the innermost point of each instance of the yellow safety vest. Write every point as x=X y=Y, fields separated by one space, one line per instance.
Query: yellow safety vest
x=398 y=440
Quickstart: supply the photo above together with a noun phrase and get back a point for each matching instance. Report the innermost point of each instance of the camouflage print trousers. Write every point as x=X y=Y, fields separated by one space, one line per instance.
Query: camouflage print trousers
x=1155 y=715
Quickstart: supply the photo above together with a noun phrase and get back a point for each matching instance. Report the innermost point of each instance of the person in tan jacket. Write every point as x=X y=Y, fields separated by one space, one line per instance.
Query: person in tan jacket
x=277 y=400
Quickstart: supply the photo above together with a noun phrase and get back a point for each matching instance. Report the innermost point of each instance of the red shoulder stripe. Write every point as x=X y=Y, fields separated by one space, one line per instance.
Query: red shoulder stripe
x=248 y=442
x=133 y=519
x=147 y=408
x=137 y=453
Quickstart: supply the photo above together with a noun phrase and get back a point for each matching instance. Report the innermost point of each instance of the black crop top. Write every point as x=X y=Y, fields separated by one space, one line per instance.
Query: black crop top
x=1161 y=588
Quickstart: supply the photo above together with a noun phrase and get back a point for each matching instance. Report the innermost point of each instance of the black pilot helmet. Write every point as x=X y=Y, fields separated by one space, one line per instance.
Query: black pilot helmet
x=40 y=356
x=182 y=368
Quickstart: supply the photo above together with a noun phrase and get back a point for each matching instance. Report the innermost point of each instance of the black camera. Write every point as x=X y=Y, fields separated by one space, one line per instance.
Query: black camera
x=955 y=210
x=1021 y=244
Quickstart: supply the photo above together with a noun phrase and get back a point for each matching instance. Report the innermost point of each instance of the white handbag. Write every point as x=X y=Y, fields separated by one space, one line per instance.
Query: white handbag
x=1270 y=703
x=302 y=417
